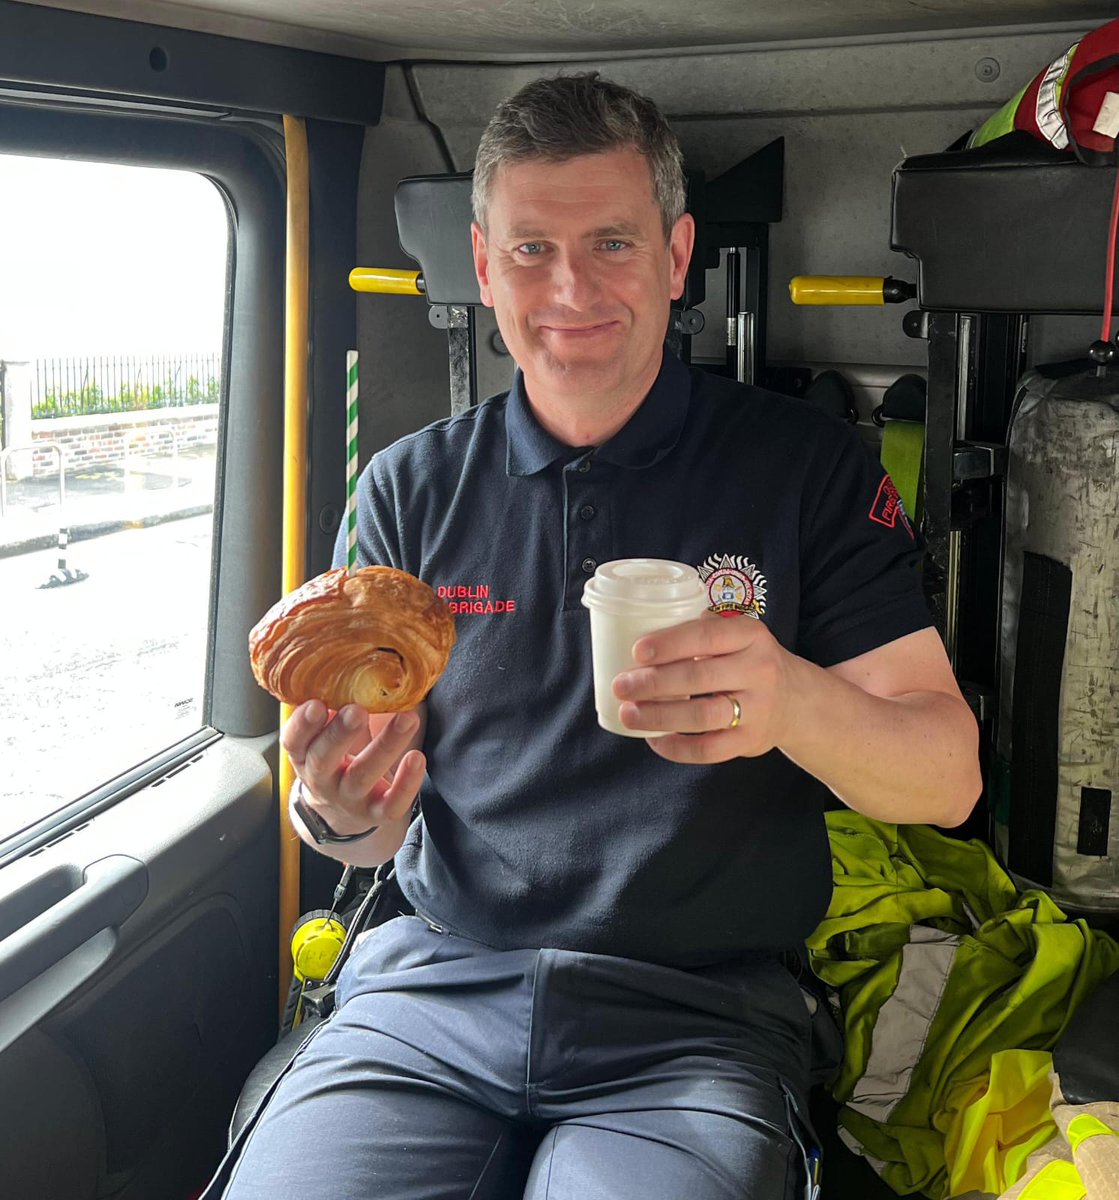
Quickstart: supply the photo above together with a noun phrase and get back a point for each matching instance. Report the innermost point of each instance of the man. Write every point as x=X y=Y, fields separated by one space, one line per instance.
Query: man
x=591 y=999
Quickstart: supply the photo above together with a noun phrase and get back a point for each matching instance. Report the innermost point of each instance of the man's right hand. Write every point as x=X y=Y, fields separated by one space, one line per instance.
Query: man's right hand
x=358 y=771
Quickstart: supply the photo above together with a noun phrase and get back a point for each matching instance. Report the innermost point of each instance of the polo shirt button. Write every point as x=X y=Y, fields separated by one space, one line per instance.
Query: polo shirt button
x=589 y=566
x=586 y=512
x=584 y=466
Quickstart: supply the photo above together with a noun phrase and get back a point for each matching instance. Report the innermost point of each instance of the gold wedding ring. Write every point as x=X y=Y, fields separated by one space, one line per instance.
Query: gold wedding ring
x=736 y=719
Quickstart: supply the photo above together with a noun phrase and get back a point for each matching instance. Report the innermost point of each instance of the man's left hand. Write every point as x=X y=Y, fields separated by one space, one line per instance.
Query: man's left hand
x=689 y=679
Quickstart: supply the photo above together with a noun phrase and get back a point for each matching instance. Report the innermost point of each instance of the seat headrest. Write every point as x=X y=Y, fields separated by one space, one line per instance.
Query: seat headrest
x=433 y=216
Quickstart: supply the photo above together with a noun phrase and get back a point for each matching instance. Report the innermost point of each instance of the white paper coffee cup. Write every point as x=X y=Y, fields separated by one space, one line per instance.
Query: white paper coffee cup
x=627 y=599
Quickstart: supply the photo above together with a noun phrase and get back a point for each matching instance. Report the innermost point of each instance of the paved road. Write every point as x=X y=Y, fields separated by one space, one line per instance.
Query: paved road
x=97 y=675
x=104 y=495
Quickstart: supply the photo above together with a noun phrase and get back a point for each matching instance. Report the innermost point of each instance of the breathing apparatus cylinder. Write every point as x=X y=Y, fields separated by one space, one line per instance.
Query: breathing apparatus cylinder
x=1055 y=782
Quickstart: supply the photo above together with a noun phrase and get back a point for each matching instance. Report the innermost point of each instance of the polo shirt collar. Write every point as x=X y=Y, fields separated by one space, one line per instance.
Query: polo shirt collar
x=645 y=438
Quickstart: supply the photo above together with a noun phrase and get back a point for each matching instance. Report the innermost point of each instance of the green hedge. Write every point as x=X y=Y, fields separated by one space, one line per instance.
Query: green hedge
x=89 y=400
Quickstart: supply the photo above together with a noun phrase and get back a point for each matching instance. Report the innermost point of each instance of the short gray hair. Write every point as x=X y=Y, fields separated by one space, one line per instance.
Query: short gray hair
x=569 y=115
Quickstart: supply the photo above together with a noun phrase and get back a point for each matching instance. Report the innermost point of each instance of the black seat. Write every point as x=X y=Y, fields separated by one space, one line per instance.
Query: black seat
x=266 y=1074
x=1086 y=1057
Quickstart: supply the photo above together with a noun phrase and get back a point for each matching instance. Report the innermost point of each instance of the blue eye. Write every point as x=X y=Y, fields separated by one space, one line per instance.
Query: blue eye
x=614 y=244
x=530 y=248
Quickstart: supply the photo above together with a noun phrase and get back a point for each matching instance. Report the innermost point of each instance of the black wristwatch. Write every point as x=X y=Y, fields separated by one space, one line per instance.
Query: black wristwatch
x=317 y=827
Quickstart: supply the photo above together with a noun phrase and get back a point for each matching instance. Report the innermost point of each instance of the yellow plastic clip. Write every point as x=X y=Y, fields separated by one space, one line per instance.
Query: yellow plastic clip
x=316 y=943
x=387 y=281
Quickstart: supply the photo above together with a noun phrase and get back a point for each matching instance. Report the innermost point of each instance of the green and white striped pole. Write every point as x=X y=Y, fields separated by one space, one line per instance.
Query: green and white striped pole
x=351 y=460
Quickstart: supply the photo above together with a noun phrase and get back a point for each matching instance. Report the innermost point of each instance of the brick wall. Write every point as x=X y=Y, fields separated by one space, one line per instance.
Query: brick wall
x=108 y=438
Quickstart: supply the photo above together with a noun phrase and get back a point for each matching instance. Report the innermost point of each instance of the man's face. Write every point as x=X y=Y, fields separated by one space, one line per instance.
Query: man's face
x=577 y=268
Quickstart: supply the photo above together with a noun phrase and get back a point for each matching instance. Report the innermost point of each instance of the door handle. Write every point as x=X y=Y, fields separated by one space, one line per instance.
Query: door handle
x=111 y=890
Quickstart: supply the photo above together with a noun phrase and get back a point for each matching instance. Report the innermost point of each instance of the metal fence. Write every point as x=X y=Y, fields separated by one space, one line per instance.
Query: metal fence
x=72 y=387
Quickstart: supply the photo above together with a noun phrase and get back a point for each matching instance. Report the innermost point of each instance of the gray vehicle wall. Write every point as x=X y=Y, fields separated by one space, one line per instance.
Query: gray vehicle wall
x=849 y=110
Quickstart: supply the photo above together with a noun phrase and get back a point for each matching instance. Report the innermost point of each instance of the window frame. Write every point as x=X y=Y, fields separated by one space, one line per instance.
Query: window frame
x=244 y=159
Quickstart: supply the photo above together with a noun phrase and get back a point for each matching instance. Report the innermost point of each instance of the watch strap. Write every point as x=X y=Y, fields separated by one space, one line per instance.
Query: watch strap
x=317 y=826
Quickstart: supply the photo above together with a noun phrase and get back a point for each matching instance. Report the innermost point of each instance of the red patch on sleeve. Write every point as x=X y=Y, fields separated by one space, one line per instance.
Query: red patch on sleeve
x=887 y=508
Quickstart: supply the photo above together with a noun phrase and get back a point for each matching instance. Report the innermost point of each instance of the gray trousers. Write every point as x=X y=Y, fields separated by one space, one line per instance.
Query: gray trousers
x=452 y=1071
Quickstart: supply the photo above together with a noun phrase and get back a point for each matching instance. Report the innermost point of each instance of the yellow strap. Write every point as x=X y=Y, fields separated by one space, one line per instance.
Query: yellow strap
x=903 y=455
x=1058 y=1180
x=1085 y=1126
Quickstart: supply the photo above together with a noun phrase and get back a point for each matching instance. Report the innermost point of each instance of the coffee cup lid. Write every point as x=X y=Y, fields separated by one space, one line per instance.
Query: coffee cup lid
x=651 y=580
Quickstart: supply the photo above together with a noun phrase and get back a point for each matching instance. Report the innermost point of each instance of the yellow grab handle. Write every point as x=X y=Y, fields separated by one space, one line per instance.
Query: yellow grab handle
x=387 y=281
x=294 y=568
x=836 y=289
x=849 y=289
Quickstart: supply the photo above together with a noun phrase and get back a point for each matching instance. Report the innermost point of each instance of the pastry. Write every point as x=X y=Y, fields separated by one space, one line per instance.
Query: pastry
x=377 y=637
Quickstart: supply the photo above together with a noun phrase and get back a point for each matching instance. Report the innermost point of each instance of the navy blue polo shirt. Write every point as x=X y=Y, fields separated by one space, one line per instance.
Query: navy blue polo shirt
x=540 y=829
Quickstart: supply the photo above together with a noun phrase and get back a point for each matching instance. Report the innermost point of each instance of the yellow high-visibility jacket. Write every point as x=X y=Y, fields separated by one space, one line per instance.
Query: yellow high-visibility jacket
x=939 y=963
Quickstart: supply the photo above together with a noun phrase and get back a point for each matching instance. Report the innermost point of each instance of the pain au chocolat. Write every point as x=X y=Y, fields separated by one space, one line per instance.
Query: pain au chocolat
x=377 y=637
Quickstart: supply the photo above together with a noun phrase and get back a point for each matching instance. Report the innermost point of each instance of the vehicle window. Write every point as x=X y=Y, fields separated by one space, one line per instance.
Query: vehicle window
x=112 y=310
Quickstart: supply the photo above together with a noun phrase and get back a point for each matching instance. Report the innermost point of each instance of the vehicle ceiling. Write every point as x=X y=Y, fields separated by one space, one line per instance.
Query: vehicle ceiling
x=558 y=29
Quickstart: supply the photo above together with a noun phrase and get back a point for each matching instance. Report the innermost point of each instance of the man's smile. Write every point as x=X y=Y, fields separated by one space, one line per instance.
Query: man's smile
x=581 y=331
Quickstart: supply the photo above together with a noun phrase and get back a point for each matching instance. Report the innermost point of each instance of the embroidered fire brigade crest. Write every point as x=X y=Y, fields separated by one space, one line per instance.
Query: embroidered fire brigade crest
x=887 y=508
x=734 y=585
